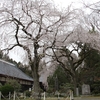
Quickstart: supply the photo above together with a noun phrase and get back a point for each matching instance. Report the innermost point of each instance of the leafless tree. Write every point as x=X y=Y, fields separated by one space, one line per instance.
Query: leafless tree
x=33 y=26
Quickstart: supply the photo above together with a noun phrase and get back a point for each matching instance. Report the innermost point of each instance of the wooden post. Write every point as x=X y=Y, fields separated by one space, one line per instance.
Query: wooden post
x=0 y=95
x=58 y=96
x=14 y=97
x=71 y=95
x=9 y=95
x=44 y=95
x=24 y=95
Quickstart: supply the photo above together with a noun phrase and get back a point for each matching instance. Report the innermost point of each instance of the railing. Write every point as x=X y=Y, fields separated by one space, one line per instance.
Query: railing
x=15 y=96
x=70 y=95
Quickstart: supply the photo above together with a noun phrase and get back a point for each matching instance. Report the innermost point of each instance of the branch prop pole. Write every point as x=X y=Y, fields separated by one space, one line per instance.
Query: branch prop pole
x=71 y=95
x=44 y=96
x=0 y=95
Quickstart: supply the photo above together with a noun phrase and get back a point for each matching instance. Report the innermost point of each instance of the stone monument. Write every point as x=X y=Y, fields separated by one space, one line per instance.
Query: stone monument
x=85 y=89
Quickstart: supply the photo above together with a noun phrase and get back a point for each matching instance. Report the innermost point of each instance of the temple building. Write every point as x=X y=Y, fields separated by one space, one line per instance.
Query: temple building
x=10 y=71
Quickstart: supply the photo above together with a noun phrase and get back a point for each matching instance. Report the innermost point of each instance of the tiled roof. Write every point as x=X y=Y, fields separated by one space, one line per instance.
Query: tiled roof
x=9 y=69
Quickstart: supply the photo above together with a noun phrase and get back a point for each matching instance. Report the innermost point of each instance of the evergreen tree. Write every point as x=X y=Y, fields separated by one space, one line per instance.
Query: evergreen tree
x=90 y=74
x=1 y=54
x=58 y=81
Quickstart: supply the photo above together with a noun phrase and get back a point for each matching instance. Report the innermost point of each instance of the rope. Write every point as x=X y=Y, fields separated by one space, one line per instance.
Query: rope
x=68 y=94
x=17 y=97
x=11 y=96
x=3 y=96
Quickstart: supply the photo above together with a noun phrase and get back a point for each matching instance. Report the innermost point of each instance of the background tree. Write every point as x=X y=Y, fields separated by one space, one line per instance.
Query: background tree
x=58 y=81
x=25 y=68
x=70 y=62
x=90 y=73
x=1 y=54
x=64 y=48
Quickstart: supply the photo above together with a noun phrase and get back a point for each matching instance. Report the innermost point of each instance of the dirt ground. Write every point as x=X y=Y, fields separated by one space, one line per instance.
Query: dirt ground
x=87 y=98
x=75 y=98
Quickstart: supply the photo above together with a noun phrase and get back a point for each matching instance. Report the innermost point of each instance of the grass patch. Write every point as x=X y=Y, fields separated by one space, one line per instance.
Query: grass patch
x=49 y=98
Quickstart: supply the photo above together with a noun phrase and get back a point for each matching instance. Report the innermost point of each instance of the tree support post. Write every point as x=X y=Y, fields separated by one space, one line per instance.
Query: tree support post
x=14 y=97
x=44 y=95
x=0 y=95
x=58 y=96
x=71 y=95
x=9 y=95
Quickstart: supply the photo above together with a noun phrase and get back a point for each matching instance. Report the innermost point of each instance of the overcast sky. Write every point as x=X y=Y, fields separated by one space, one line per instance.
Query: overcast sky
x=76 y=3
x=64 y=3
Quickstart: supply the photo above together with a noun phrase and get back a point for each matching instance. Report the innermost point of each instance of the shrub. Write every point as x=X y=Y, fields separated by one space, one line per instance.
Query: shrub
x=28 y=93
x=0 y=85
x=6 y=89
x=14 y=84
x=95 y=87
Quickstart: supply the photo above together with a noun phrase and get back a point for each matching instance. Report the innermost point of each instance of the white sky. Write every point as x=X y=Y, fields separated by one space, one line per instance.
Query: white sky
x=76 y=3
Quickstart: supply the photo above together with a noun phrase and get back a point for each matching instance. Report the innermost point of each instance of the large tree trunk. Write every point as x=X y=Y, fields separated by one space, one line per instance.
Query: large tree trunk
x=35 y=67
x=36 y=87
x=75 y=86
x=75 y=83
